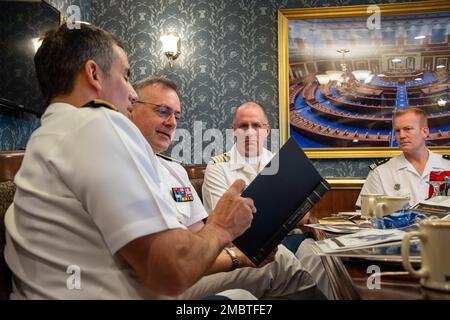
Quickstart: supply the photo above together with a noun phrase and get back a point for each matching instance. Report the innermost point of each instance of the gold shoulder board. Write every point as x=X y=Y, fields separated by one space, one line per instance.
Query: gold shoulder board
x=224 y=157
x=378 y=163
x=97 y=103
x=168 y=158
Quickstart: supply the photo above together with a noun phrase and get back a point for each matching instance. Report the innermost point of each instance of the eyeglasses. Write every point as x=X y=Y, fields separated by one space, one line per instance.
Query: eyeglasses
x=165 y=112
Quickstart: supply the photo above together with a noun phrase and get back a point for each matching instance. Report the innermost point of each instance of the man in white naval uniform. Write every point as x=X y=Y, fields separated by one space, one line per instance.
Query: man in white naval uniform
x=409 y=173
x=245 y=160
x=156 y=114
x=90 y=217
x=226 y=169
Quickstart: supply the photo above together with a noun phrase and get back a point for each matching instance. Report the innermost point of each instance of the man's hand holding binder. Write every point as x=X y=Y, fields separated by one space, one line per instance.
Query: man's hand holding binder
x=233 y=214
x=282 y=197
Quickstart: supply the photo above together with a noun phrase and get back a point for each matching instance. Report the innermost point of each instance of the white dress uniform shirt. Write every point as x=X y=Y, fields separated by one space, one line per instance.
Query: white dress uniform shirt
x=88 y=185
x=224 y=169
x=175 y=175
x=398 y=177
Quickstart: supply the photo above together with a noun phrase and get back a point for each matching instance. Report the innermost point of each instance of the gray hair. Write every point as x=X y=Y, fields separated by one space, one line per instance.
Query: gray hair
x=141 y=84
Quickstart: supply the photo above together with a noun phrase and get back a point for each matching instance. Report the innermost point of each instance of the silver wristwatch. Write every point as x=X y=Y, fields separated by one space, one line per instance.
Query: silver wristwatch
x=234 y=258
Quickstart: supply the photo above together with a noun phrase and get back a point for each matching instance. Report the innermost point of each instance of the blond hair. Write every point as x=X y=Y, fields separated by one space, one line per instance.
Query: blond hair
x=417 y=111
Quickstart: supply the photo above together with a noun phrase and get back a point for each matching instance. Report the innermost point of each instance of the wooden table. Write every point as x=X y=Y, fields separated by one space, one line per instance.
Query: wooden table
x=349 y=279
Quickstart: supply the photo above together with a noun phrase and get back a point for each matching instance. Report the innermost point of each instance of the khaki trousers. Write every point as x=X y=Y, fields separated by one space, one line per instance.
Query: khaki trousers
x=284 y=278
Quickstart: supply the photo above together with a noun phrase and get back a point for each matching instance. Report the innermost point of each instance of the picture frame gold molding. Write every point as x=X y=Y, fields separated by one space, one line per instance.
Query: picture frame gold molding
x=284 y=15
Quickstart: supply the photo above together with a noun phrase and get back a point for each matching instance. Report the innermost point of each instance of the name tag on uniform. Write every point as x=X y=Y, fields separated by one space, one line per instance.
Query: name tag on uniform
x=182 y=194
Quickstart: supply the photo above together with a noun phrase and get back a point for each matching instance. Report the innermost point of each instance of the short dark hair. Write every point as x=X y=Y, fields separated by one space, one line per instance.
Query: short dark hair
x=141 y=84
x=65 y=50
x=257 y=103
x=417 y=111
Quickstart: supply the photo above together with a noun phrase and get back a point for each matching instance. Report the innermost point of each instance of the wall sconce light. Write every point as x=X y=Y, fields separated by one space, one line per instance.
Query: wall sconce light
x=36 y=43
x=171 y=46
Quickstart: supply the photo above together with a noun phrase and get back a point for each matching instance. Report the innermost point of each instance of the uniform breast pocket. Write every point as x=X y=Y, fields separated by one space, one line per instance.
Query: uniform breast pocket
x=400 y=193
x=183 y=211
x=398 y=190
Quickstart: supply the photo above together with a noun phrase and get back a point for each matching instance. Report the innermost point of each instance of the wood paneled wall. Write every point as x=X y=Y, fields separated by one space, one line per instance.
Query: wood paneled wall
x=336 y=200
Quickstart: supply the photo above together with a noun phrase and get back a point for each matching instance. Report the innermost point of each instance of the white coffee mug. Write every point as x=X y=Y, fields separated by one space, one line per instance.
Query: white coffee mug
x=389 y=204
x=368 y=203
x=435 y=238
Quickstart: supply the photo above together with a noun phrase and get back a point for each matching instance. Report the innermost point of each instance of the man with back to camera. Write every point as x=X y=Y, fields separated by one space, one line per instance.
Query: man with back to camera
x=89 y=192
x=156 y=114
x=409 y=173
x=244 y=161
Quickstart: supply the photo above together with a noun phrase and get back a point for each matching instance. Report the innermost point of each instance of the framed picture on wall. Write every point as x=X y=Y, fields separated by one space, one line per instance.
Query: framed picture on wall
x=344 y=71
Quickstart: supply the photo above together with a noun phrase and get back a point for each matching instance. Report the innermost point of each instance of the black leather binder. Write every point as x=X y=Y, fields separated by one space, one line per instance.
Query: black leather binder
x=283 y=192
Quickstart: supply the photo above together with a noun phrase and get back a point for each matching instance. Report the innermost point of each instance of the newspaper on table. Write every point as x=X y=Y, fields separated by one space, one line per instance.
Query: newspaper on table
x=361 y=239
x=438 y=206
x=385 y=252
x=337 y=228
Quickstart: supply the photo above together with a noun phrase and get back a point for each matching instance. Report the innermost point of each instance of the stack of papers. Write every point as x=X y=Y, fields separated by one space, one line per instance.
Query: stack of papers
x=386 y=252
x=337 y=228
x=437 y=206
x=349 y=213
x=362 y=239
x=335 y=222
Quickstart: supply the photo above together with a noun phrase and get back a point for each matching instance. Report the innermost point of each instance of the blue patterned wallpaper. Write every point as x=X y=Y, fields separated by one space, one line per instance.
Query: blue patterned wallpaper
x=229 y=55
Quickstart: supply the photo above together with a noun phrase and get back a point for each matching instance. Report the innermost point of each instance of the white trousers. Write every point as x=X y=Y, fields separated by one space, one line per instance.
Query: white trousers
x=284 y=278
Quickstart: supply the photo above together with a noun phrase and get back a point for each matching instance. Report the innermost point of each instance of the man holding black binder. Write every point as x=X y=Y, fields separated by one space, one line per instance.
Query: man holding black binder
x=283 y=278
x=244 y=161
x=91 y=218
